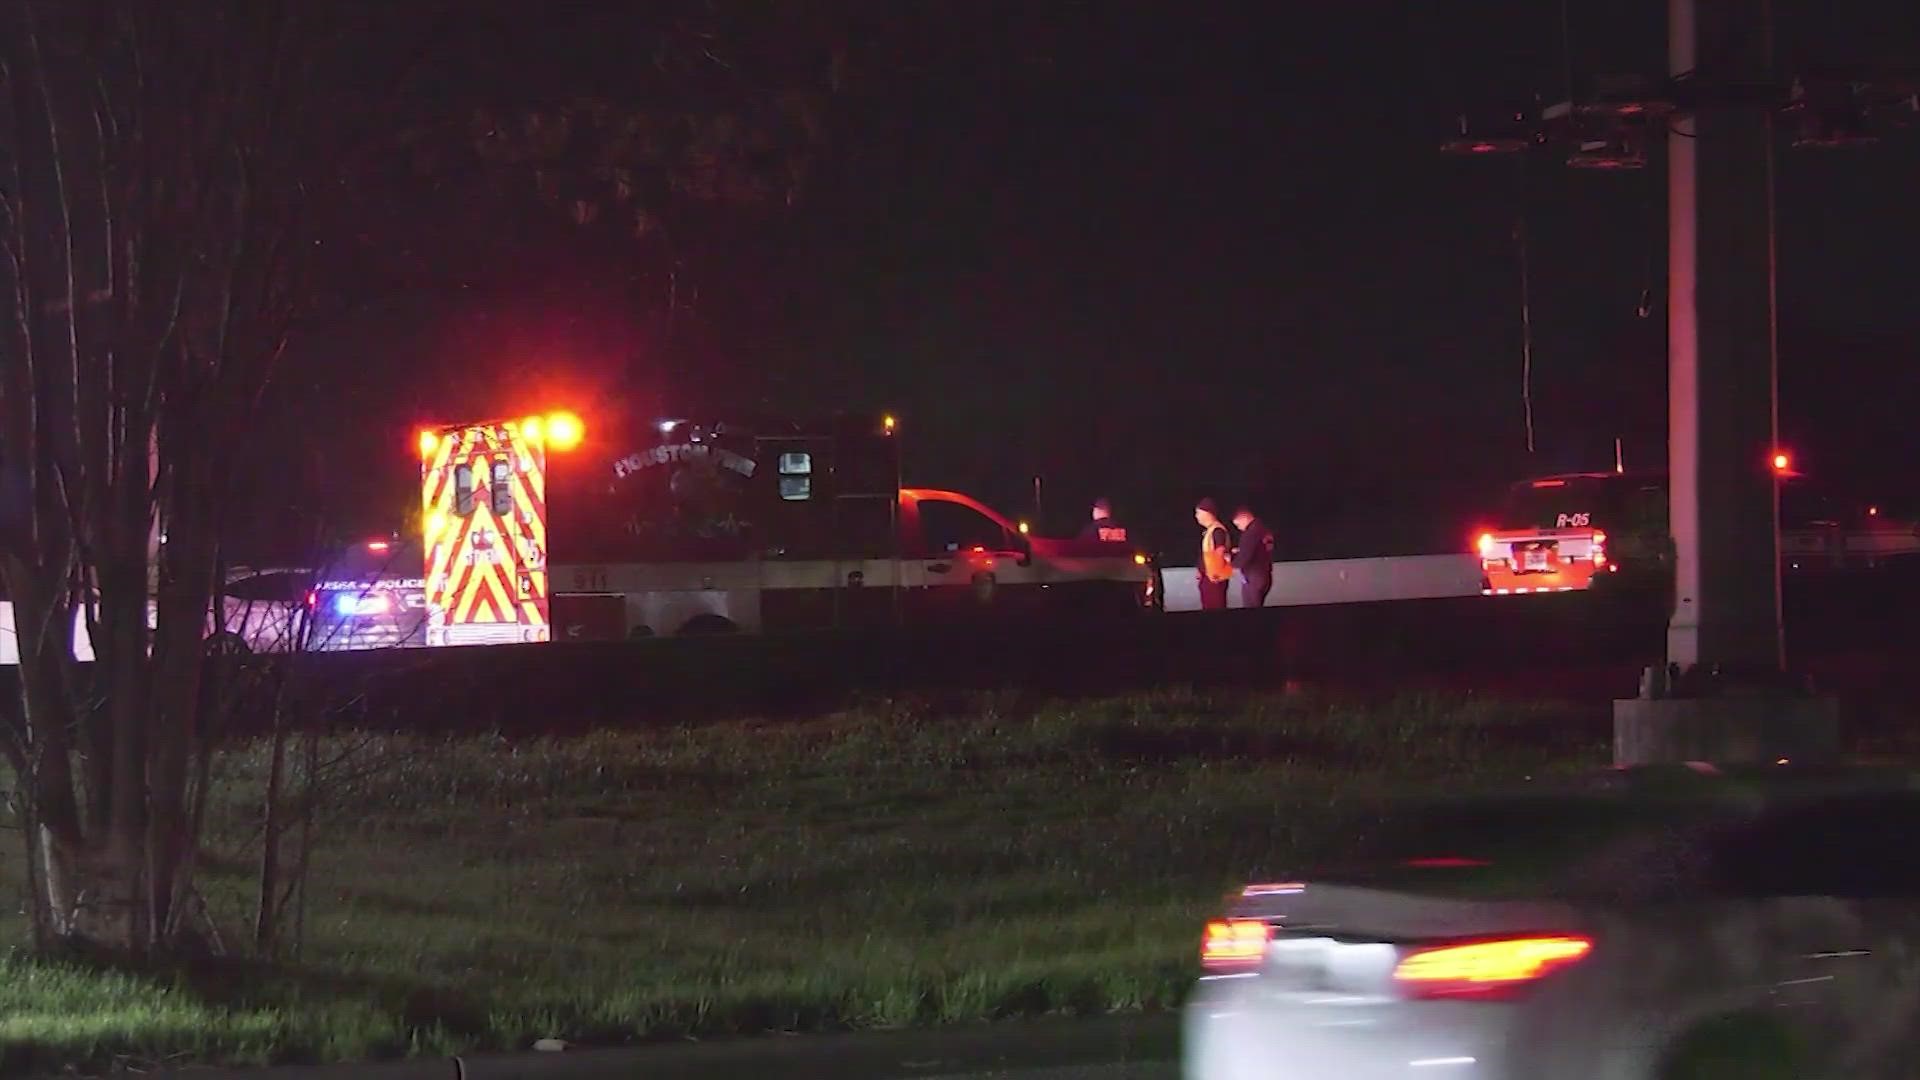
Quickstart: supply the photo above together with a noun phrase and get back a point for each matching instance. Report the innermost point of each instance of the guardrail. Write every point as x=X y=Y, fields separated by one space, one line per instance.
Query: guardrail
x=1343 y=581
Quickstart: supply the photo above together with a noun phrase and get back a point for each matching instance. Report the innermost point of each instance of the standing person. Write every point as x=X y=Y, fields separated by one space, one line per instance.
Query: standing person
x=1216 y=568
x=1104 y=527
x=1253 y=558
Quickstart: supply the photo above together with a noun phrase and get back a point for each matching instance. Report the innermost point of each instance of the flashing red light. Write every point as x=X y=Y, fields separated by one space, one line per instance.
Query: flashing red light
x=1487 y=969
x=1781 y=462
x=1599 y=548
x=1233 y=945
x=1485 y=545
x=313 y=598
x=1549 y=483
x=1873 y=511
x=377 y=545
x=564 y=431
x=429 y=442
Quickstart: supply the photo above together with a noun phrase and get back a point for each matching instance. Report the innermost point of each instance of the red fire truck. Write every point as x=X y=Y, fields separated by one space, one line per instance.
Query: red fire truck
x=536 y=529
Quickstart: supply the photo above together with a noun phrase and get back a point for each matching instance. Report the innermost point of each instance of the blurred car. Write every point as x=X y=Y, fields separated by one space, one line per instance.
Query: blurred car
x=369 y=595
x=1633 y=929
x=266 y=610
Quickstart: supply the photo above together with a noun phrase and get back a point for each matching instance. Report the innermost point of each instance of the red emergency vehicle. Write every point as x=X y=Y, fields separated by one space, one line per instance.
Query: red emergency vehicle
x=540 y=528
x=1567 y=532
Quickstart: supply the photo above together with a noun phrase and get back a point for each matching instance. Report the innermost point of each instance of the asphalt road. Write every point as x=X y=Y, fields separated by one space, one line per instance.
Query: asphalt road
x=1165 y=1070
x=1111 y=1048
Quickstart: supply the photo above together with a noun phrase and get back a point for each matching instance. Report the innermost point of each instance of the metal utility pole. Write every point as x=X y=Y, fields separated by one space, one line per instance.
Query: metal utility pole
x=1721 y=359
x=1722 y=695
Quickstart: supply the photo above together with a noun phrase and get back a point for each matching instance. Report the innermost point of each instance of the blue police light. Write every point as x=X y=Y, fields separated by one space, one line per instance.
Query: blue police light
x=350 y=604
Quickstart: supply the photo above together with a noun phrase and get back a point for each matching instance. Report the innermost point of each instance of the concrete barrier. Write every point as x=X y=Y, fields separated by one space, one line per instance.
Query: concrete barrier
x=1343 y=581
x=10 y=638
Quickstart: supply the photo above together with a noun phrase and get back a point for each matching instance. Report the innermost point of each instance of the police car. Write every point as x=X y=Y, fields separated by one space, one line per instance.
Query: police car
x=368 y=595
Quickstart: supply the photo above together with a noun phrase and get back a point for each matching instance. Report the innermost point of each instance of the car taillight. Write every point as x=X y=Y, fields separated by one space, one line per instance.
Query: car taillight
x=1599 y=548
x=1233 y=945
x=1490 y=969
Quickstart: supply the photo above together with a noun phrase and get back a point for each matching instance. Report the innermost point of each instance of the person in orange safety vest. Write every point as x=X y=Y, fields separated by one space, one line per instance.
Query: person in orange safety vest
x=1216 y=562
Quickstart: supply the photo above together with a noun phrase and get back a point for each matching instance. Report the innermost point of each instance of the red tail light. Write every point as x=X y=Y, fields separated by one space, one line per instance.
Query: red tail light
x=1599 y=548
x=1233 y=945
x=1486 y=969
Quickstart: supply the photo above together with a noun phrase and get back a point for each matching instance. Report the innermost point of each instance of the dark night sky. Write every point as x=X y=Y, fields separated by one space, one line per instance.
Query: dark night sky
x=1153 y=249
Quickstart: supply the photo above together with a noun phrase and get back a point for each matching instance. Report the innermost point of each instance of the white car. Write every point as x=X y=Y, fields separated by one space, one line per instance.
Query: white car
x=1641 y=928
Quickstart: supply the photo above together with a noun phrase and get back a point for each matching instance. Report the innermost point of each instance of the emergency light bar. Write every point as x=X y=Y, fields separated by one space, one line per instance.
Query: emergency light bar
x=560 y=430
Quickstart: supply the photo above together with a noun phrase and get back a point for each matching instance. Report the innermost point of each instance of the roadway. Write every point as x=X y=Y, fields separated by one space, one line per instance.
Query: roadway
x=1126 y=1047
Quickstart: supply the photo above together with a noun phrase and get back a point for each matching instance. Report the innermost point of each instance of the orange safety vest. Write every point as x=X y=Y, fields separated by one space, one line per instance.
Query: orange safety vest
x=1213 y=560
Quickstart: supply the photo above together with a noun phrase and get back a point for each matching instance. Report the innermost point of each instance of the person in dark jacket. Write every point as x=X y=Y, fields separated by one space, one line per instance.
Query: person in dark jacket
x=1253 y=558
x=1216 y=564
x=1104 y=527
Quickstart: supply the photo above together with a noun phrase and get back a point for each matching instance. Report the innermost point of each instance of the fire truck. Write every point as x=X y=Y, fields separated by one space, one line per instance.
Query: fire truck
x=534 y=530
x=1574 y=531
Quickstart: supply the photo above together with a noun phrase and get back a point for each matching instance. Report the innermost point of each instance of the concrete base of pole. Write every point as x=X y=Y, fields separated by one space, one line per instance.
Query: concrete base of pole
x=1727 y=729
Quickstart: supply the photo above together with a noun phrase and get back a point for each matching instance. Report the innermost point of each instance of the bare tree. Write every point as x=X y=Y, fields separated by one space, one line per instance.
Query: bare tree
x=165 y=175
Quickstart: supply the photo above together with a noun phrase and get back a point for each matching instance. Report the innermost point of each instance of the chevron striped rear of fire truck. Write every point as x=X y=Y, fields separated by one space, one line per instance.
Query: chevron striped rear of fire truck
x=484 y=524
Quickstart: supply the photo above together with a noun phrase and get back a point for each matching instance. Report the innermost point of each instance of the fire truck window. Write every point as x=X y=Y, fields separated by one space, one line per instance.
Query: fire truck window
x=502 y=489
x=949 y=526
x=796 y=476
x=463 y=489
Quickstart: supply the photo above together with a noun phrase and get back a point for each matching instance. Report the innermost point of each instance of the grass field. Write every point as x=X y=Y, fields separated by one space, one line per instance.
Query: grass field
x=895 y=864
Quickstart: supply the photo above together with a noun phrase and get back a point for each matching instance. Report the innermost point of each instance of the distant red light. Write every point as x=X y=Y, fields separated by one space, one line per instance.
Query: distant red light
x=377 y=545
